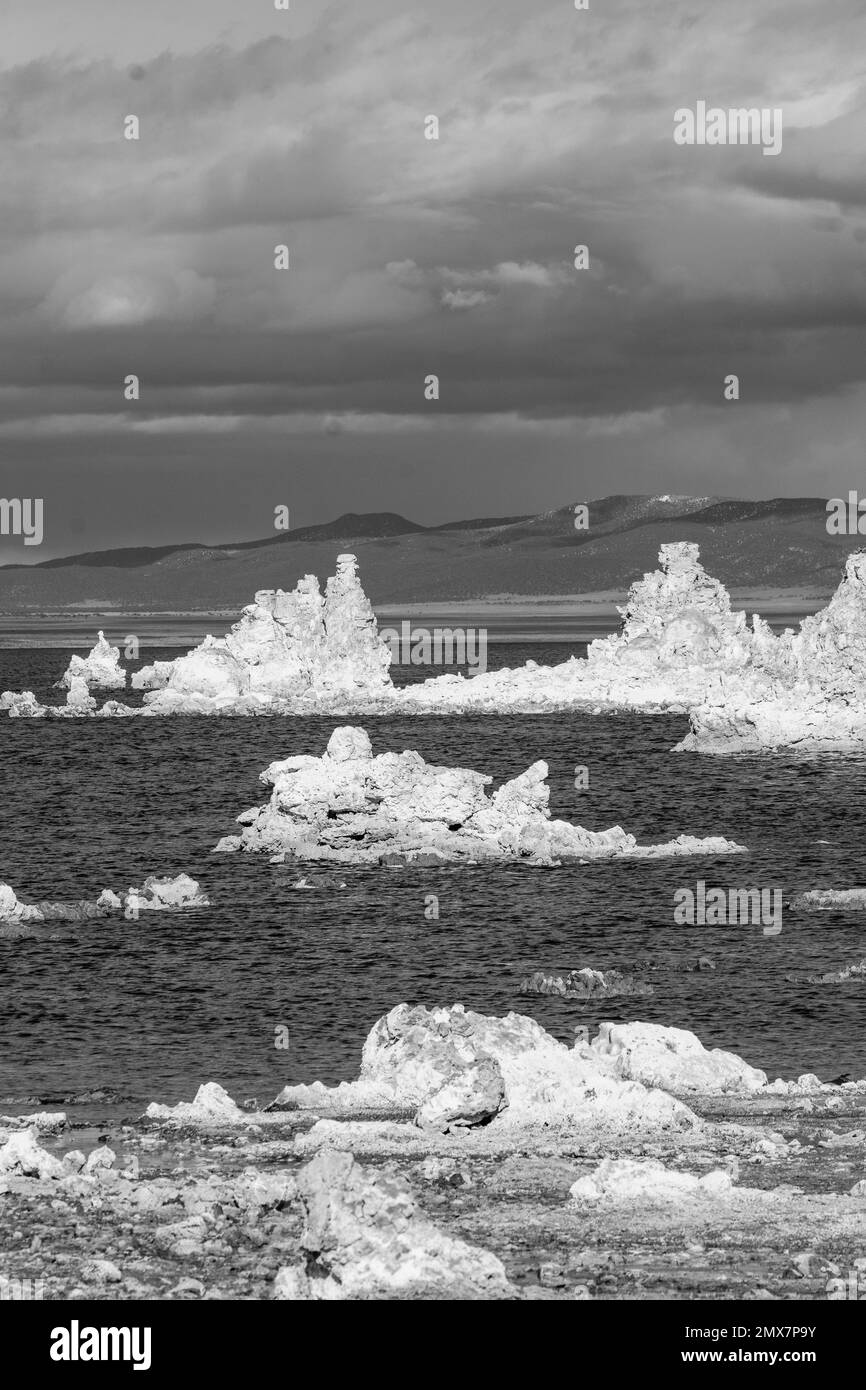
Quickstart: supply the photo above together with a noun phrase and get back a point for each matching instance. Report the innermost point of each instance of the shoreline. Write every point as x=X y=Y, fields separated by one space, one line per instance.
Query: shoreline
x=507 y=618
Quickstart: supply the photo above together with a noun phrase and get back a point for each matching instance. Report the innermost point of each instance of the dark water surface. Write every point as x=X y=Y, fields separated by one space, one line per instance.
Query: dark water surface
x=148 y=1010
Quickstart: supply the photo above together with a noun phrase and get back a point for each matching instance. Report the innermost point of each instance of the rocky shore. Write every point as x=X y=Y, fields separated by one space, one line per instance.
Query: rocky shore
x=474 y=1157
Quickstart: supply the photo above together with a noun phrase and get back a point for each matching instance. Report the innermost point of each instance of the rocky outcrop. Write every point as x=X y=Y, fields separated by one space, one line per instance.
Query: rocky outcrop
x=365 y=1238
x=350 y=806
x=678 y=616
x=23 y=1156
x=21 y=704
x=802 y=691
x=674 y=1059
x=451 y=1069
x=156 y=895
x=99 y=670
x=79 y=704
x=678 y=630
x=286 y=648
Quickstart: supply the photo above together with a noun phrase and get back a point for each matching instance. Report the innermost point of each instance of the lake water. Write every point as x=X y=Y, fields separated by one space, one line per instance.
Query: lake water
x=148 y=1010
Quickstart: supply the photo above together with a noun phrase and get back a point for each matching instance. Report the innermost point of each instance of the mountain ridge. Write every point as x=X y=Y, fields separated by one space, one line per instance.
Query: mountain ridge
x=776 y=543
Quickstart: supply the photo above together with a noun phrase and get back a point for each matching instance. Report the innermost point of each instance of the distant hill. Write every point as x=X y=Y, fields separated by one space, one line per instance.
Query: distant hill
x=777 y=544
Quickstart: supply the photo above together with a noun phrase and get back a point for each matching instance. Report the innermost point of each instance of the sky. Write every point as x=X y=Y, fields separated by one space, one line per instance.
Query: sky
x=409 y=257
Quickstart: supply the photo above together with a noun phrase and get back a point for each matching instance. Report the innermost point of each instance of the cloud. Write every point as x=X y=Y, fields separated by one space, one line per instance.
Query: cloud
x=411 y=257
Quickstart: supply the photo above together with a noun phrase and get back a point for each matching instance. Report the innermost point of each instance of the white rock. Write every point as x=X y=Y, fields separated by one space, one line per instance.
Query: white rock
x=627 y=1179
x=21 y=1154
x=672 y=1058
x=365 y=1232
x=212 y=1105
x=159 y=894
x=350 y=807
x=11 y=910
x=102 y=1157
x=802 y=690
x=441 y=1065
x=99 y=670
x=299 y=646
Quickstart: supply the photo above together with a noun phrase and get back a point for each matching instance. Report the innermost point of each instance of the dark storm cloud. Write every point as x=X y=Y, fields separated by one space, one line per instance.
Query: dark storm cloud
x=410 y=257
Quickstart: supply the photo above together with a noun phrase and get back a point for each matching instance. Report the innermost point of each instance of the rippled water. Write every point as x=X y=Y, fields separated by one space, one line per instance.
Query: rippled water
x=150 y=1009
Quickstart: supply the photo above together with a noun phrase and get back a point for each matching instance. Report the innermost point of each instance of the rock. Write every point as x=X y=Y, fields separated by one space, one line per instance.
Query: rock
x=802 y=690
x=79 y=701
x=187 y=1288
x=22 y=705
x=831 y=900
x=352 y=807
x=292 y=1284
x=212 y=1105
x=679 y=631
x=584 y=984
x=674 y=1059
x=11 y=910
x=99 y=670
x=157 y=894
x=474 y=1097
x=444 y=1065
x=21 y=1154
x=286 y=649
x=100 y=1158
x=46 y=1121
x=627 y=1179
x=100 y=1272
x=367 y=1238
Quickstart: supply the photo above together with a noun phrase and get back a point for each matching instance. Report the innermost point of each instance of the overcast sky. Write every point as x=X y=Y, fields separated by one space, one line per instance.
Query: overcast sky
x=409 y=257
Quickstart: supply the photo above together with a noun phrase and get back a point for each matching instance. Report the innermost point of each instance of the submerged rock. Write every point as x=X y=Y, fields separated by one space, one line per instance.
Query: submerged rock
x=156 y=895
x=856 y=971
x=99 y=670
x=584 y=984
x=350 y=806
x=832 y=900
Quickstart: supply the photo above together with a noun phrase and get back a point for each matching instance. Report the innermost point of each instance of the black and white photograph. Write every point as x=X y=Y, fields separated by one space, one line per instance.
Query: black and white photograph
x=432 y=670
